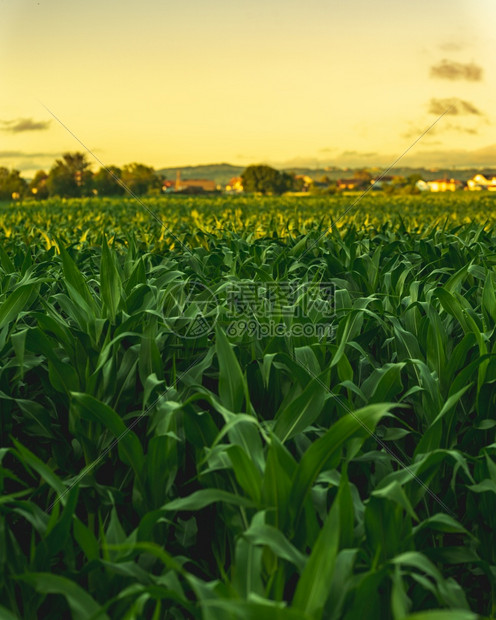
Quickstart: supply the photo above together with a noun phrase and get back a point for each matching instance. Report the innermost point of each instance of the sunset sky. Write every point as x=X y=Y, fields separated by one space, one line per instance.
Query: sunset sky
x=286 y=82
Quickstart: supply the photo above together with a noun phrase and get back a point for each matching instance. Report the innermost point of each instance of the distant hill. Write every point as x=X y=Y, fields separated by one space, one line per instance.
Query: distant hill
x=223 y=173
x=220 y=173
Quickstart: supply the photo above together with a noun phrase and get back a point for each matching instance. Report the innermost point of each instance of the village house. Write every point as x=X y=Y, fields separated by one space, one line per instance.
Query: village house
x=480 y=182
x=305 y=181
x=380 y=182
x=206 y=185
x=169 y=186
x=350 y=184
x=235 y=185
x=192 y=185
x=439 y=185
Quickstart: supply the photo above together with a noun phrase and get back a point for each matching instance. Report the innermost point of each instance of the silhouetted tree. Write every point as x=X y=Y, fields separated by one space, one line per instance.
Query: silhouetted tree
x=70 y=176
x=106 y=184
x=267 y=180
x=11 y=184
x=38 y=186
x=140 y=179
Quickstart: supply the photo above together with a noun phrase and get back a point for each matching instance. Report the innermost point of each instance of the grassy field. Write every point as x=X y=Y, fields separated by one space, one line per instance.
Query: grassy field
x=238 y=416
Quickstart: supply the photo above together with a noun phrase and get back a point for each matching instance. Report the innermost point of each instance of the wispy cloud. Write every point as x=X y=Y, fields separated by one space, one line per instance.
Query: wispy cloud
x=343 y=158
x=470 y=130
x=453 y=107
x=414 y=132
x=242 y=156
x=452 y=70
x=459 y=157
x=431 y=154
x=21 y=125
x=27 y=162
x=10 y=154
x=364 y=154
x=452 y=46
x=24 y=155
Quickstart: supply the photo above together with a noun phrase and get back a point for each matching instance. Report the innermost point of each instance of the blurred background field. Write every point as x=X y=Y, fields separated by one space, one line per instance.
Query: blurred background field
x=82 y=220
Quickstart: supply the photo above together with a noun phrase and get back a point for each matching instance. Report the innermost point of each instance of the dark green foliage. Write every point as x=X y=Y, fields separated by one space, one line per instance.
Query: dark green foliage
x=267 y=180
x=38 y=186
x=70 y=176
x=140 y=179
x=12 y=185
x=106 y=181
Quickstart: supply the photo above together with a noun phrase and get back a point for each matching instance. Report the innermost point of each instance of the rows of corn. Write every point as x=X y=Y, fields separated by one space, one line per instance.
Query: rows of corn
x=152 y=470
x=157 y=221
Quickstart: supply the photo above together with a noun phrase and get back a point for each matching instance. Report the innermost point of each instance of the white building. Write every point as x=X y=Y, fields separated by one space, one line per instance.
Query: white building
x=479 y=182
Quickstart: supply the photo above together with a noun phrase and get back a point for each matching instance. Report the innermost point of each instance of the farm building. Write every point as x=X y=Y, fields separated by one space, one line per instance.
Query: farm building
x=480 y=182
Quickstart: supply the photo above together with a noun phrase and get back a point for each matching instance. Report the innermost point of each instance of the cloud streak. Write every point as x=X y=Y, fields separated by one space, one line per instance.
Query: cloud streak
x=453 y=107
x=24 y=155
x=440 y=129
x=452 y=70
x=430 y=154
x=459 y=157
x=470 y=130
x=21 y=125
x=365 y=154
x=452 y=46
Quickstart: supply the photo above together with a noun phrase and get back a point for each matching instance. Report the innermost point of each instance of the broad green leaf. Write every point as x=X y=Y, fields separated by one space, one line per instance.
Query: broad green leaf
x=443 y=614
x=304 y=410
x=384 y=383
x=277 y=483
x=110 y=281
x=483 y=486
x=441 y=522
x=247 y=568
x=269 y=536
x=27 y=458
x=57 y=536
x=305 y=356
x=86 y=540
x=205 y=497
x=82 y=605
x=128 y=444
x=400 y=602
x=352 y=325
x=246 y=472
x=341 y=583
x=313 y=589
x=250 y=610
x=432 y=438
x=16 y=302
x=394 y=492
x=5 y=613
x=75 y=281
x=360 y=423
x=231 y=379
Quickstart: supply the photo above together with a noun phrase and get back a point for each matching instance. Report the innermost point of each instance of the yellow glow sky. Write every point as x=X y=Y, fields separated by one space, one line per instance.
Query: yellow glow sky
x=333 y=82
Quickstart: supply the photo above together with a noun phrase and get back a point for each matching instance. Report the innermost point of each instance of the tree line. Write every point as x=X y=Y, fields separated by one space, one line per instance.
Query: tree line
x=71 y=177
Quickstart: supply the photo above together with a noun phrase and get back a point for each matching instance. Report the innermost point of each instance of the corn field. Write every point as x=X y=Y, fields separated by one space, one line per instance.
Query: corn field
x=246 y=414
